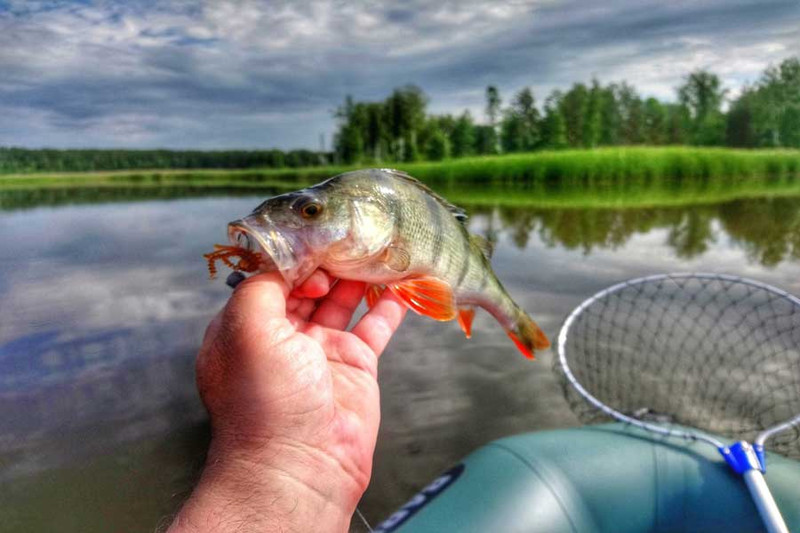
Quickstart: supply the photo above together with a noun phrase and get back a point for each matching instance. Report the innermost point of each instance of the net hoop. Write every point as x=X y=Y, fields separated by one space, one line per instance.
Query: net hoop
x=563 y=335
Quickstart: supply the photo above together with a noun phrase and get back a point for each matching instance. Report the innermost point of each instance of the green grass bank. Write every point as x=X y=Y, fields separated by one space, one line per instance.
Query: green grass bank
x=602 y=177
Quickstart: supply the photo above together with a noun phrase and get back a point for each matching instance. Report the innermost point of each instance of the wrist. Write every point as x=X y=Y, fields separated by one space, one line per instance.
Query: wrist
x=276 y=488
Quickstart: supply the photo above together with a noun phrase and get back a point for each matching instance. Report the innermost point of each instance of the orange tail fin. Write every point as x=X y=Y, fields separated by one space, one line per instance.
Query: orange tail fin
x=528 y=336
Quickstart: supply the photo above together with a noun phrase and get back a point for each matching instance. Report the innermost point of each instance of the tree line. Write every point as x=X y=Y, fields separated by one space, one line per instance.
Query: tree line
x=765 y=114
x=49 y=160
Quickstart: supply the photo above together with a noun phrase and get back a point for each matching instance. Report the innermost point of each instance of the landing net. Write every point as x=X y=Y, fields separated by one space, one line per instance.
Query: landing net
x=712 y=352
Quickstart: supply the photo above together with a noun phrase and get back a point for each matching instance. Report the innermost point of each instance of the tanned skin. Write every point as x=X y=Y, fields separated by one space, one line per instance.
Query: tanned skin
x=294 y=406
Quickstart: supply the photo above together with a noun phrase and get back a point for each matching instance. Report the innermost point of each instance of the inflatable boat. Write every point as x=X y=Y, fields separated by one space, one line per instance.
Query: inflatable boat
x=605 y=478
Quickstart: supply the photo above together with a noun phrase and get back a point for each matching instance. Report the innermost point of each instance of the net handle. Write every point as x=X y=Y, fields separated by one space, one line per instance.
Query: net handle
x=669 y=432
x=774 y=430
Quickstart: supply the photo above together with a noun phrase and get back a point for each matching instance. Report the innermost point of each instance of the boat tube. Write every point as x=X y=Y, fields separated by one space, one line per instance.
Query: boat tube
x=605 y=478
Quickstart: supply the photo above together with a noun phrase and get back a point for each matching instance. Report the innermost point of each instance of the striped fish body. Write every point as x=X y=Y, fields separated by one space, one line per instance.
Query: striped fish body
x=390 y=230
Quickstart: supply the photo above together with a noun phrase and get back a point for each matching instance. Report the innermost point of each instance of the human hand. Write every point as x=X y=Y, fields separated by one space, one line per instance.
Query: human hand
x=294 y=406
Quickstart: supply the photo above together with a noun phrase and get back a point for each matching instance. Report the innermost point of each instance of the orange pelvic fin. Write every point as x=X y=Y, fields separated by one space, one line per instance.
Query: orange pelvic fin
x=374 y=292
x=465 y=316
x=528 y=336
x=427 y=296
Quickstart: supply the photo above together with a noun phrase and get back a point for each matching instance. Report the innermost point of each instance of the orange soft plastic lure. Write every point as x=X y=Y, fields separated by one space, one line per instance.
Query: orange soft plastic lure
x=248 y=261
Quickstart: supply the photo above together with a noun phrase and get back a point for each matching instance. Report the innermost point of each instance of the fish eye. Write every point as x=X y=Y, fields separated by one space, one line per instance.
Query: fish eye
x=311 y=209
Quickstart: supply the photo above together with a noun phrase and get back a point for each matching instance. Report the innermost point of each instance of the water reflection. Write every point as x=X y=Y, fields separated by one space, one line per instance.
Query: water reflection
x=28 y=198
x=768 y=229
x=766 y=226
x=102 y=307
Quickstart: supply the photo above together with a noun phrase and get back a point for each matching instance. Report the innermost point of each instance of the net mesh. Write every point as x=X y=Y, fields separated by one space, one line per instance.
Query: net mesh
x=716 y=354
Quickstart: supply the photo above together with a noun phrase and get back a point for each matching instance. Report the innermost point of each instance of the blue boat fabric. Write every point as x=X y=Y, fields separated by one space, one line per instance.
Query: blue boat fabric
x=608 y=478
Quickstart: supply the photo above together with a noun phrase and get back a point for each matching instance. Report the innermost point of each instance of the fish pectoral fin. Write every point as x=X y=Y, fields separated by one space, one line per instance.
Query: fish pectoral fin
x=374 y=292
x=465 y=316
x=427 y=296
x=396 y=258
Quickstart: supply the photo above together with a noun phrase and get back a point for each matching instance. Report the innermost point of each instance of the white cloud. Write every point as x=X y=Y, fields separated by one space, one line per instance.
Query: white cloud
x=166 y=73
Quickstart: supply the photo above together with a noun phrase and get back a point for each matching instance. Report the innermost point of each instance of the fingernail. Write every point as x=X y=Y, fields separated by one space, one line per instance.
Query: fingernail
x=234 y=278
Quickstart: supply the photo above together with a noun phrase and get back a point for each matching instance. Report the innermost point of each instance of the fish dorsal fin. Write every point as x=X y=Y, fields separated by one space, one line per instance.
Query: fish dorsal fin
x=486 y=247
x=456 y=211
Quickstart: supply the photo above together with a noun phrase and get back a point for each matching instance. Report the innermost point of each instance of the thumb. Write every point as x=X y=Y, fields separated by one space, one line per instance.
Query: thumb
x=255 y=316
x=253 y=319
x=262 y=295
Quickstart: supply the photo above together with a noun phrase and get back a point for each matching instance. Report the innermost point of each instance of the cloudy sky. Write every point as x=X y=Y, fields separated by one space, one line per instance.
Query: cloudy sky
x=259 y=73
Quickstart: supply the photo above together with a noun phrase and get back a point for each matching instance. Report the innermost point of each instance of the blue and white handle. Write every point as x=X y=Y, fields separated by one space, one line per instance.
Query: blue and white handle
x=749 y=462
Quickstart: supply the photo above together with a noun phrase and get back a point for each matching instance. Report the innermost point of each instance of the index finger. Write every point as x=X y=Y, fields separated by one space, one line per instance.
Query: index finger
x=378 y=325
x=317 y=285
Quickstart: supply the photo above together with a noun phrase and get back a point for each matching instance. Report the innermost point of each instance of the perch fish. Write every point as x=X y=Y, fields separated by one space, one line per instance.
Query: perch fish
x=389 y=230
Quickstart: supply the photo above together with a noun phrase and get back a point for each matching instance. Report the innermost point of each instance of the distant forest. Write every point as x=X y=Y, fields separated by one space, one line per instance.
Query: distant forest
x=763 y=115
x=25 y=160
x=399 y=129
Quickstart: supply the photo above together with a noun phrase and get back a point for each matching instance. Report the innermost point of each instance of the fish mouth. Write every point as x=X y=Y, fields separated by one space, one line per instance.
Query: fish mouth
x=259 y=235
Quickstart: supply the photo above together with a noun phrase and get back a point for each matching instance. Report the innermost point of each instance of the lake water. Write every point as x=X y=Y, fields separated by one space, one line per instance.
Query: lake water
x=103 y=306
